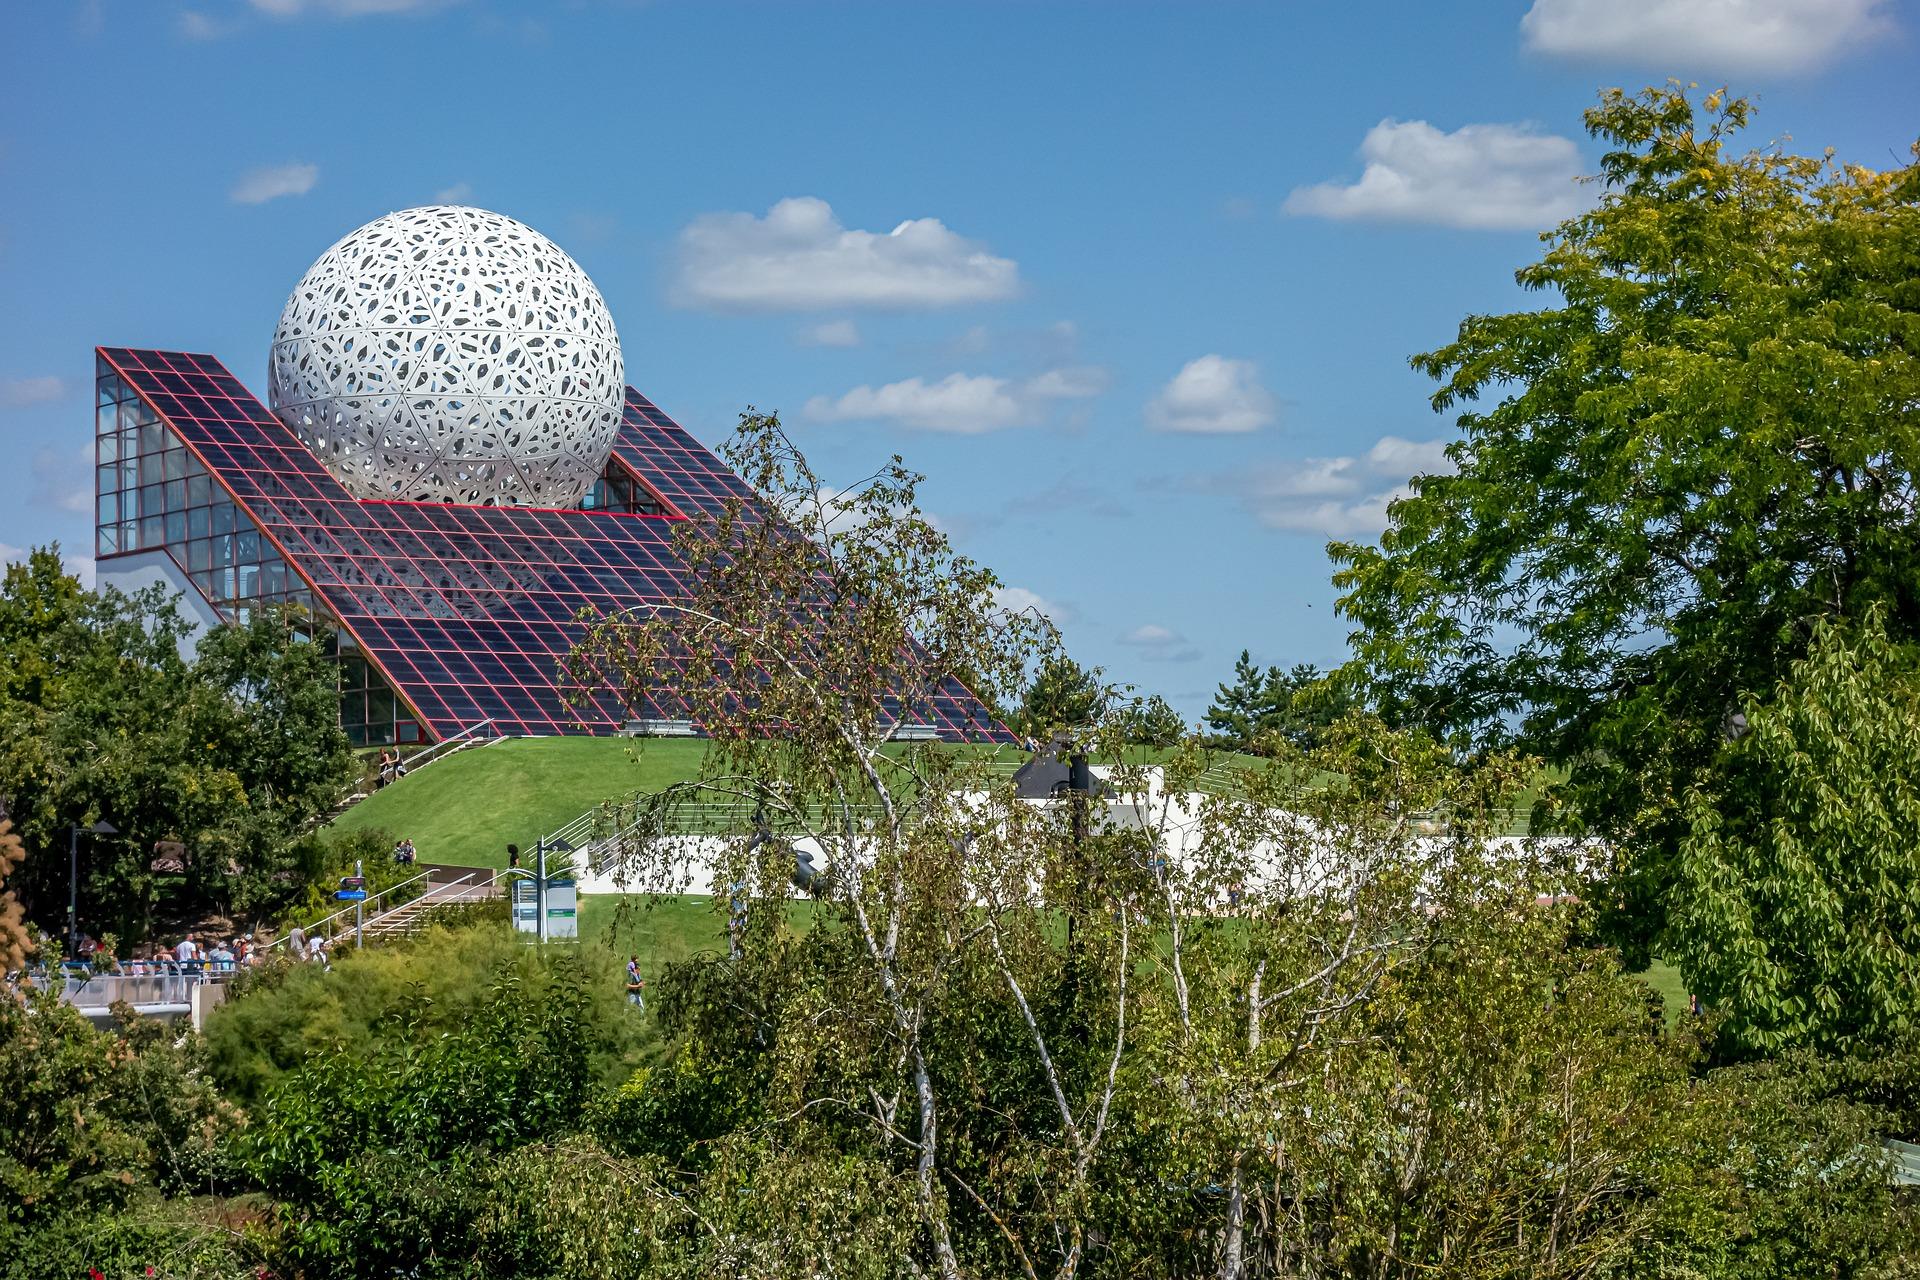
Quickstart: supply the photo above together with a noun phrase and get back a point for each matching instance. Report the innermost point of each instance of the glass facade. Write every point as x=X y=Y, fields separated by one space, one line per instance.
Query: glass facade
x=618 y=489
x=152 y=494
x=443 y=616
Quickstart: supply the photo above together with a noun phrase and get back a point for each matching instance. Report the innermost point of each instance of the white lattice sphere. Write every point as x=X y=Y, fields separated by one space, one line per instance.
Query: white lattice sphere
x=448 y=354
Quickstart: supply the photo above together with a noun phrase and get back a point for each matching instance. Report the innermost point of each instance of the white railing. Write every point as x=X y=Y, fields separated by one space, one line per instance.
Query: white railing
x=363 y=905
x=446 y=746
x=141 y=990
x=441 y=895
x=595 y=835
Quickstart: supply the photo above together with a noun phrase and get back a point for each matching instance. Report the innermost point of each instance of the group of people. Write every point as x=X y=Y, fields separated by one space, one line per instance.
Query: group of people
x=314 y=949
x=392 y=767
x=196 y=954
x=404 y=853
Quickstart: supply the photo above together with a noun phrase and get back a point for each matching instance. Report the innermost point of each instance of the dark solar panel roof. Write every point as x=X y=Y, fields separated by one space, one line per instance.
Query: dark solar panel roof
x=466 y=610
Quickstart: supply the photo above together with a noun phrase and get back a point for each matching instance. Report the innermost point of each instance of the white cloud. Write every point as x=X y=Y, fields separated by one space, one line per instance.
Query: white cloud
x=1160 y=644
x=1720 y=35
x=64 y=480
x=830 y=333
x=960 y=403
x=346 y=8
x=1212 y=396
x=963 y=403
x=81 y=567
x=1480 y=177
x=798 y=257
x=22 y=392
x=1075 y=382
x=1021 y=600
x=257 y=186
x=1336 y=497
x=195 y=25
x=458 y=193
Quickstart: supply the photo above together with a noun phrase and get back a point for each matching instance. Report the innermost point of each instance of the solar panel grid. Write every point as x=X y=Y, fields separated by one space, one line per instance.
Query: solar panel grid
x=466 y=610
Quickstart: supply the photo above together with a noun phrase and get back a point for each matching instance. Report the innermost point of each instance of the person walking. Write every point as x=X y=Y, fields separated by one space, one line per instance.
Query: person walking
x=636 y=985
x=297 y=943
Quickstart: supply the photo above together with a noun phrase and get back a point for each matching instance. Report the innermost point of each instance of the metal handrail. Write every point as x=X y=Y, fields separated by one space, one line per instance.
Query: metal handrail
x=309 y=928
x=435 y=897
x=441 y=749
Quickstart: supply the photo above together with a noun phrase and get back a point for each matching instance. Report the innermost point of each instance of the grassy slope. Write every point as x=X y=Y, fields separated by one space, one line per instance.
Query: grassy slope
x=1666 y=979
x=466 y=809
x=663 y=930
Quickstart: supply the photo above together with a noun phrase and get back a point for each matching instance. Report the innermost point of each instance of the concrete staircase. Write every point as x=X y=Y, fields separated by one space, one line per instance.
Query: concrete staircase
x=447 y=886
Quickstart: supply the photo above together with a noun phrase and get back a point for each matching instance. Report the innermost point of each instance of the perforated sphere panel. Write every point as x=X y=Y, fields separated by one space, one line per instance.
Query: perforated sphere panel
x=449 y=354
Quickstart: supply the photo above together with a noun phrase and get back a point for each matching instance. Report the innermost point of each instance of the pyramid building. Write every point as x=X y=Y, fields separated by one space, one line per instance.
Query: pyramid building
x=442 y=485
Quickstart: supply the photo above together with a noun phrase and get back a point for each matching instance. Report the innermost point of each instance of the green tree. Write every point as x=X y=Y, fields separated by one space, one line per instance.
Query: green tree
x=382 y=1158
x=231 y=753
x=1241 y=712
x=1150 y=722
x=1798 y=909
x=101 y=1125
x=1264 y=705
x=1063 y=696
x=265 y=707
x=1662 y=480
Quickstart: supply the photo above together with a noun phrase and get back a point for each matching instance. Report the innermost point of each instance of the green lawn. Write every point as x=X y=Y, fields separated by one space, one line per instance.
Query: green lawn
x=663 y=930
x=1666 y=979
x=467 y=808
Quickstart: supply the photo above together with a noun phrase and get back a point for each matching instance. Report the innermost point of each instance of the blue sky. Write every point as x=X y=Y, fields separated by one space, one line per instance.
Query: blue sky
x=1147 y=334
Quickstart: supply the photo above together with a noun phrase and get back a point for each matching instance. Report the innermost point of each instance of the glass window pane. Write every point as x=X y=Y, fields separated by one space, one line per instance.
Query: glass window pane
x=199 y=522
x=199 y=490
x=174 y=495
x=176 y=526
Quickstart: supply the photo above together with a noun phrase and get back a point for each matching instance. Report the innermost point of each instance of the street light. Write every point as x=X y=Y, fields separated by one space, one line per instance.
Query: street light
x=541 y=848
x=100 y=828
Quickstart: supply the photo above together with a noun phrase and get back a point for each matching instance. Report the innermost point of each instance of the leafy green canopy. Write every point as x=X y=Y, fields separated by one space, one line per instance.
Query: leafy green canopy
x=230 y=754
x=1265 y=705
x=1667 y=478
x=1798 y=913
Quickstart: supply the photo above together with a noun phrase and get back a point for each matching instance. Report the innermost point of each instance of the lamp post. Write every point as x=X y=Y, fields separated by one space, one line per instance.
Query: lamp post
x=540 y=849
x=100 y=828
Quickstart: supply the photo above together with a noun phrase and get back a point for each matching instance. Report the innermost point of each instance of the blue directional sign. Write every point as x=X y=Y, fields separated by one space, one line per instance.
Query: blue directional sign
x=350 y=895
